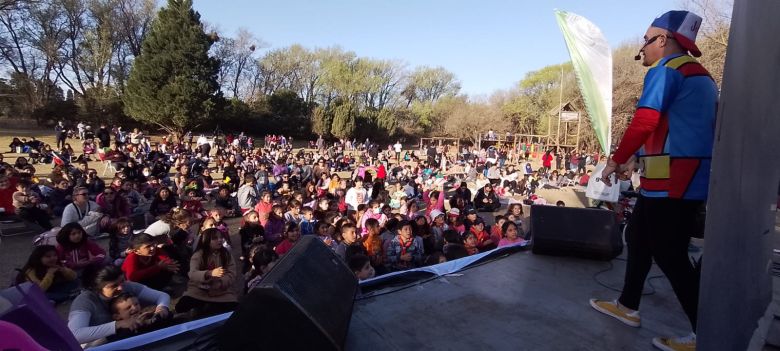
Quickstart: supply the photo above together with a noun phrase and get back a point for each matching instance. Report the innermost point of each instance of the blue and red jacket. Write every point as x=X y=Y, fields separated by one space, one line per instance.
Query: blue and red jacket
x=673 y=129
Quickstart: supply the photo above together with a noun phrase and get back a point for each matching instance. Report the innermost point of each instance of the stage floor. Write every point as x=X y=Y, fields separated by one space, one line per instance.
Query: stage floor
x=520 y=302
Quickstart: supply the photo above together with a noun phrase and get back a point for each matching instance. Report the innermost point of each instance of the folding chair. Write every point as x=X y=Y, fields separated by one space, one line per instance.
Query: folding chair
x=107 y=165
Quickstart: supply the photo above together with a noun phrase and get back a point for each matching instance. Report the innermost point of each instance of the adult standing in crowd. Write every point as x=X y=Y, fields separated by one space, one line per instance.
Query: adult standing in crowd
x=104 y=136
x=61 y=133
x=674 y=123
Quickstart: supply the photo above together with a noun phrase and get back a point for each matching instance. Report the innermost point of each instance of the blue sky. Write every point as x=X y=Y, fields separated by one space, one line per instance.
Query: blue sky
x=488 y=44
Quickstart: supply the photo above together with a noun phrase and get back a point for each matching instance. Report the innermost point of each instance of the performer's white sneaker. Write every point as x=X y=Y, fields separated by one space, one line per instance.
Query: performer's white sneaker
x=615 y=310
x=683 y=343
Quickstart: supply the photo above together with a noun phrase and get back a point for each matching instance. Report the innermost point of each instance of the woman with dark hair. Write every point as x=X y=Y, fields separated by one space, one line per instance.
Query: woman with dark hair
x=486 y=199
x=464 y=194
x=20 y=166
x=90 y=318
x=113 y=203
x=164 y=201
x=310 y=194
x=212 y=276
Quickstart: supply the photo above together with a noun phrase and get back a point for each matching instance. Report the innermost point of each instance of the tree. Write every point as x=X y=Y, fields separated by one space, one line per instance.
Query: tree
x=467 y=120
x=343 y=121
x=236 y=56
x=173 y=83
x=321 y=121
x=290 y=112
x=430 y=84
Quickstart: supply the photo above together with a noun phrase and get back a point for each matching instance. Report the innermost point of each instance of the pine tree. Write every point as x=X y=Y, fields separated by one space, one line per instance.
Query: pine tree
x=173 y=83
x=343 y=121
x=321 y=121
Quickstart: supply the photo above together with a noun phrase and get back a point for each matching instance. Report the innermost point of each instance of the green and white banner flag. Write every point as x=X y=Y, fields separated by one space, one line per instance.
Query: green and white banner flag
x=591 y=57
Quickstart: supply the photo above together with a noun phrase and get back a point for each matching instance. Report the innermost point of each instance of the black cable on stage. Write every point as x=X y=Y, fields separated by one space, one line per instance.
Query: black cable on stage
x=611 y=266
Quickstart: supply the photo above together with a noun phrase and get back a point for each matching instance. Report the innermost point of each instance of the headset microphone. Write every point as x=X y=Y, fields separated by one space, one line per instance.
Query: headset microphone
x=638 y=56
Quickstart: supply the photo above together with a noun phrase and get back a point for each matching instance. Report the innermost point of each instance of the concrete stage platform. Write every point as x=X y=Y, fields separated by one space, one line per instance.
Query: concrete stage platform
x=519 y=302
x=510 y=299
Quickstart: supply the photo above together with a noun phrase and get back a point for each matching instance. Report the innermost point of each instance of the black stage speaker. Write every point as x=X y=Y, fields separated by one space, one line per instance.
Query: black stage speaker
x=303 y=303
x=579 y=232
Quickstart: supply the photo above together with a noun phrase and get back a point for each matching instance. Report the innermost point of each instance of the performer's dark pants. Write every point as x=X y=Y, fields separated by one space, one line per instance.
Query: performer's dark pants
x=661 y=229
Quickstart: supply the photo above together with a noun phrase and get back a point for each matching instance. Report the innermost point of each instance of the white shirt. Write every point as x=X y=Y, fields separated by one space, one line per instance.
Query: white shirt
x=158 y=228
x=356 y=197
x=397 y=147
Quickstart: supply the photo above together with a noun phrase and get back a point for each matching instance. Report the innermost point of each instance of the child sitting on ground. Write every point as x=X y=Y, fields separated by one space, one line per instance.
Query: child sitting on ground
x=361 y=267
x=349 y=239
x=293 y=214
x=291 y=236
x=484 y=242
x=308 y=222
x=119 y=240
x=510 y=234
x=438 y=227
x=274 y=227
x=44 y=269
x=374 y=211
x=495 y=229
x=191 y=203
x=27 y=205
x=373 y=244
x=207 y=223
x=217 y=214
x=126 y=307
x=251 y=233
x=405 y=251
x=323 y=233
x=75 y=250
x=263 y=259
x=147 y=265
x=453 y=246
x=470 y=243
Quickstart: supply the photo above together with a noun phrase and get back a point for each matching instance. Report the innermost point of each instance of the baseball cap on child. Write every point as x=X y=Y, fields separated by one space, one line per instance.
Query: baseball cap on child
x=684 y=25
x=436 y=213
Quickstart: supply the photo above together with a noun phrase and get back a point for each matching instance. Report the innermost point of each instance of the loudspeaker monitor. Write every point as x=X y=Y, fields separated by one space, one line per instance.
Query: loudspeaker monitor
x=580 y=232
x=304 y=303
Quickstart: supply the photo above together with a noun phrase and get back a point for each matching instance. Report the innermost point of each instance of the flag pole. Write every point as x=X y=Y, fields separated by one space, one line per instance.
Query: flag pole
x=560 y=110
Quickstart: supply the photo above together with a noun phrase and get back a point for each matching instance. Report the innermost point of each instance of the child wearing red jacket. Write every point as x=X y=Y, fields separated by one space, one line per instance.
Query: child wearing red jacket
x=148 y=266
x=193 y=205
x=291 y=238
x=495 y=230
x=484 y=242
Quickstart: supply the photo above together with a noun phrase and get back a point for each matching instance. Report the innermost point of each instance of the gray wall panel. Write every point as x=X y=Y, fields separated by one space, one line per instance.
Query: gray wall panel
x=735 y=285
